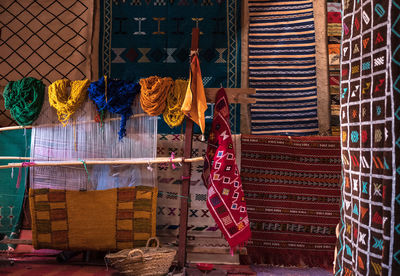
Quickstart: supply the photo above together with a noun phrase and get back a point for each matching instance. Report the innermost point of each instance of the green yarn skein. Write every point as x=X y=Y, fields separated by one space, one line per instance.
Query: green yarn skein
x=24 y=98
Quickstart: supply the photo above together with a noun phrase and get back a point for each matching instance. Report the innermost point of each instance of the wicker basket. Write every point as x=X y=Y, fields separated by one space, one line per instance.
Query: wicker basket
x=142 y=261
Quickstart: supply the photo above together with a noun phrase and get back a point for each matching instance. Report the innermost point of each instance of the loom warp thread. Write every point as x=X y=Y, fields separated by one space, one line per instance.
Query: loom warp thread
x=119 y=98
x=24 y=98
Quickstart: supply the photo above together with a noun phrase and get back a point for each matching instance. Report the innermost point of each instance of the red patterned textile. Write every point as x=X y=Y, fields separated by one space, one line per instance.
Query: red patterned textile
x=225 y=198
x=292 y=191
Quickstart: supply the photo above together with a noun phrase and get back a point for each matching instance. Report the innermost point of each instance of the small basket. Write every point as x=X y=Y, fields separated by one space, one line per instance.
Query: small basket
x=144 y=261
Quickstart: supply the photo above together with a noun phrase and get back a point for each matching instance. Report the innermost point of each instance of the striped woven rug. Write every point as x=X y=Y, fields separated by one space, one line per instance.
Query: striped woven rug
x=282 y=67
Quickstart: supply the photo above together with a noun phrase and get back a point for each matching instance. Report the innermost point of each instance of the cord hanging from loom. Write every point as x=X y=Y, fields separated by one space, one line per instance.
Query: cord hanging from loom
x=153 y=94
x=173 y=114
x=119 y=98
x=66 y=105
x=24 y=98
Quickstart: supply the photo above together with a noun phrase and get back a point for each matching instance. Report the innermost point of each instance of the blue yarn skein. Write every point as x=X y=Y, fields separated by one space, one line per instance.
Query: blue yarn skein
x=120 y=96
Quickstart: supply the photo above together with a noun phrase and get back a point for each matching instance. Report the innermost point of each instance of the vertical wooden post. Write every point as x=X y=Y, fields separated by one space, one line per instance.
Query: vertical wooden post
x=186 y=174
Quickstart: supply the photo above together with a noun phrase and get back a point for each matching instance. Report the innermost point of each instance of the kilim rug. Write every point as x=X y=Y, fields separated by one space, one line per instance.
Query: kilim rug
x=334 y=38
x=292 y=192
x=282 y=67
x=12 y=143
x=369 y=240
x=93 y=220
x=48 y=40
x=141 y=38
x=221 y=176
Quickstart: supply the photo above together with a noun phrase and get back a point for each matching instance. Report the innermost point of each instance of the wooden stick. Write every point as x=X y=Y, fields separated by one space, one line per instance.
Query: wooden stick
x=136 y=161
x=78 y=123
x=15 y=241
x=14 y=158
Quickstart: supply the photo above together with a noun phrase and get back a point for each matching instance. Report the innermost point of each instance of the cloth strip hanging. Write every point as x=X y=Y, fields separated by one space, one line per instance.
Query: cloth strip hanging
x=115 y=96
x=173 y=114
x=195 y=104
x=154 y=92
x=24 y=98
x=225 y=198
x=66 y=105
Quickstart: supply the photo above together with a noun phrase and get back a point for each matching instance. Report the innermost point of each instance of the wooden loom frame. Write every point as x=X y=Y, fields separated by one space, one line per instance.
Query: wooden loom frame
x=235 y=95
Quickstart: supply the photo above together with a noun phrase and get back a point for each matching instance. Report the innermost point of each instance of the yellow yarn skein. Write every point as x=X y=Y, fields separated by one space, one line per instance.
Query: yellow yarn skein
x=66 y=105
x=153 y=94
x=173 y=114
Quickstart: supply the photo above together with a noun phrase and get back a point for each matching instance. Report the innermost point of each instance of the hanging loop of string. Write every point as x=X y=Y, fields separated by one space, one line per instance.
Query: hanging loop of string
x=24 y=98
x=115 y=96
x=153 y=94
x=173 y=114
x=66 y=105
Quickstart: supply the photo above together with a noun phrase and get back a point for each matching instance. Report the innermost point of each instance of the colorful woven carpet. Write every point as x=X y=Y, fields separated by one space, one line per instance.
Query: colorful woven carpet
x=48 y=40
x=12 y=143
x=282 y=67
x=369 y=240
x=225 y=198
x=141 y=38
x=202 y=229
x=334 y=38
x=93 y=220
x=292 y=191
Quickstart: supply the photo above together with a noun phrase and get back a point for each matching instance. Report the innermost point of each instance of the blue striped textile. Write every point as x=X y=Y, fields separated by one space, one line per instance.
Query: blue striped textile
x=282 y=67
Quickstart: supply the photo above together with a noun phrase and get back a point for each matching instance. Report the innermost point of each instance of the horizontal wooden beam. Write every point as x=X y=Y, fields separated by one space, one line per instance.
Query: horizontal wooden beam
x=136 y=161
x=235 y=95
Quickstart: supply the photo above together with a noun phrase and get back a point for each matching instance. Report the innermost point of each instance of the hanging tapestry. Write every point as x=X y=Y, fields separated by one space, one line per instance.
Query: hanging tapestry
x=282 y=67
x=202 y=229
x=369 y=241
x=12 y=191
x=96 y=220
x=140 y=37
x=292 y=189
x=47 y=40
x=225 y=199
x=334 y=38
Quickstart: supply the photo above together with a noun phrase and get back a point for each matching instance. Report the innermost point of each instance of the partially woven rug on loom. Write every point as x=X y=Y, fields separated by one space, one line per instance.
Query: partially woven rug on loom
x=93 y=220
x=282 y=67
x=292 y=192
x=141 y=38
x=12 y=143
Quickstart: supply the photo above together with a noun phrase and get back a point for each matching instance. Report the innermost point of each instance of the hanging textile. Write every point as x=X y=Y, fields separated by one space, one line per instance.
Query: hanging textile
x=95 y=220
x=282 y=67
x=225 y=198
x=141 y=37
x=195 y=103
x=48 y=40
x=292 y=189
x=334 y=36
x=369 y=238
x=12 y=143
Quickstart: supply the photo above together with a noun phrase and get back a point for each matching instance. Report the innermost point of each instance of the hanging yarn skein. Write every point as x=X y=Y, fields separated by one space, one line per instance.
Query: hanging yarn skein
x=153 y=94
x=24 y=98
x=117 y=98
x=66 y=105
x=173 y=114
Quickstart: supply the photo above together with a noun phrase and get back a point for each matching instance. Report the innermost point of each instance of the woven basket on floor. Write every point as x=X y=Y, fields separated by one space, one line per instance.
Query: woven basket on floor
x=142 y=261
